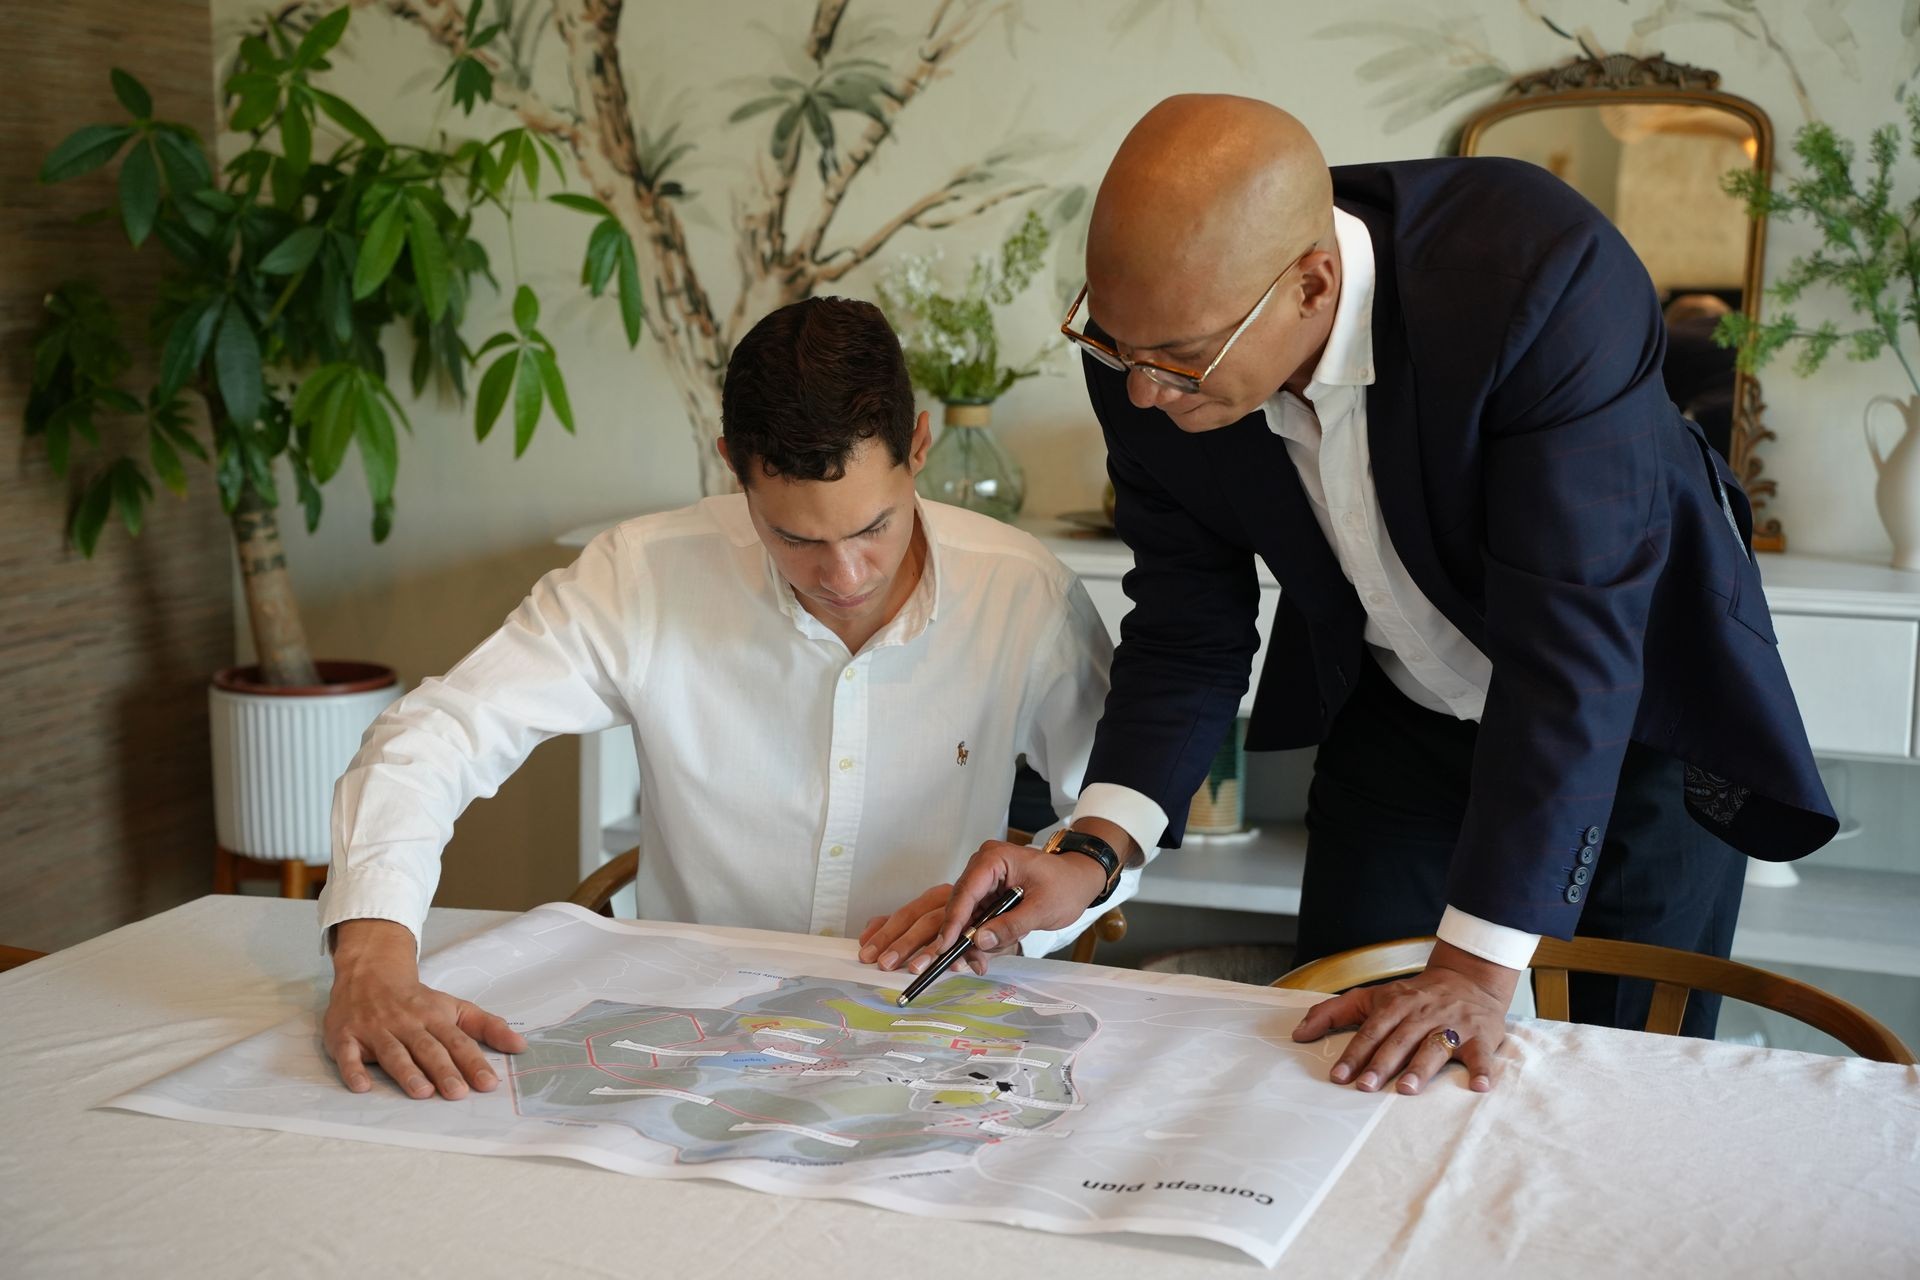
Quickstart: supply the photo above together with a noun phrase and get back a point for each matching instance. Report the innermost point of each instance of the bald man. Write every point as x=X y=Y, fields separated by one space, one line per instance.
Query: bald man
x=1517 y=615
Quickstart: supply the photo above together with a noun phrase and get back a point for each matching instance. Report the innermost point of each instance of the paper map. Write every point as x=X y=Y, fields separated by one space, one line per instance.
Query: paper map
x=1063 y=1097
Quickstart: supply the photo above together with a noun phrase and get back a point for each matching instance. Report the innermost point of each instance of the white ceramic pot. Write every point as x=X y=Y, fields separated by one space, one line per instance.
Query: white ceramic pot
x=277 y=751
x=1897 y=493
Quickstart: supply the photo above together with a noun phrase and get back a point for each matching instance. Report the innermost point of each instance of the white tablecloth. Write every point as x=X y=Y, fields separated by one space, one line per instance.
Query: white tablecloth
x=1601 y=1153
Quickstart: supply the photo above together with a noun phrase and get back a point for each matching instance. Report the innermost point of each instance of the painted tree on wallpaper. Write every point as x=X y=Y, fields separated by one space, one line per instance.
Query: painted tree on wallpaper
x=824 y=126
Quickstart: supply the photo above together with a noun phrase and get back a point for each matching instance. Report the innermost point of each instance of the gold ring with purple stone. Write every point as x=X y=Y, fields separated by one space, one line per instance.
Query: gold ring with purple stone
x=1446 y=1038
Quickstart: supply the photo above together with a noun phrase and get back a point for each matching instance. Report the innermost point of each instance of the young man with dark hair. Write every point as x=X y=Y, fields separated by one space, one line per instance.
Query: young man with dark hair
x=828 y=682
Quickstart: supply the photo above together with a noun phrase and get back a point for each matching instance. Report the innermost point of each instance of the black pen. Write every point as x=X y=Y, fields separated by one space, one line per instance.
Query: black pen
x=1001 y=905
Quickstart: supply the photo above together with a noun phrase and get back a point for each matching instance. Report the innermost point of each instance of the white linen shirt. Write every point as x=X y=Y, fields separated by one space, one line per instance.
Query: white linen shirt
x=784 y=782
x=1428 y=658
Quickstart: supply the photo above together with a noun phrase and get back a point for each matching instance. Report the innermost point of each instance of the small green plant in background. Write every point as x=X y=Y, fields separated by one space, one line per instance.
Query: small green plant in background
x=952 y=346
x=1870 y=251
x=287 y=269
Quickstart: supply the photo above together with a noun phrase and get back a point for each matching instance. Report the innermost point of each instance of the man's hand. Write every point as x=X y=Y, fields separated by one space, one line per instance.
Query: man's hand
x=887 y=940
x=1397 y=1020
x=1059 y=889
x=380 y=1011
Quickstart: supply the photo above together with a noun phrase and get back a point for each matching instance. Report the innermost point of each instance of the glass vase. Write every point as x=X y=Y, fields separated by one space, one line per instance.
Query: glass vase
x=969 y=467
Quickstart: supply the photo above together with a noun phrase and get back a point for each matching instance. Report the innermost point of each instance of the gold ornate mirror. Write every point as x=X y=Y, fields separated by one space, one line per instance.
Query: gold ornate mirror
x=1647 y=141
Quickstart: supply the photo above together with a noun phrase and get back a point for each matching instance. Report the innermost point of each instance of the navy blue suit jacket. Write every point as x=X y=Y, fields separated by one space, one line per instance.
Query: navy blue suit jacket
x=1544 y=494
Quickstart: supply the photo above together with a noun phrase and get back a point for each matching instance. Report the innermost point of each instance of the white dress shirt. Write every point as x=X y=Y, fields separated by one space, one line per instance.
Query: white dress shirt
x=785 y=783
x=1428 y=658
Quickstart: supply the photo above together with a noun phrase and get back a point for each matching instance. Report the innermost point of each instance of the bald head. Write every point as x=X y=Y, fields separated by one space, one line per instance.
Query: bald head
x=1211 y=191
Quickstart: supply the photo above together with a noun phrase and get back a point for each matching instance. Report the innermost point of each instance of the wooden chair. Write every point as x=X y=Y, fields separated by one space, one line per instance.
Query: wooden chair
x=296 y=878
x=1673 y=973
x=14 y=957
x=595 y=893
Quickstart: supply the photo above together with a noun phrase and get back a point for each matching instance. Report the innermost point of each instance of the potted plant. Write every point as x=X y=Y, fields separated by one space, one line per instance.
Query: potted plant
x=287 y=267
x=953 y=354
x=1870 y=251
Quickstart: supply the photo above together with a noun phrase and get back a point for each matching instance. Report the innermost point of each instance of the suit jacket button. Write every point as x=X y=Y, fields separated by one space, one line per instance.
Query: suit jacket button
x=1575 y=893
x=1593 y=835
x=1582 y=874
x=1586 y=856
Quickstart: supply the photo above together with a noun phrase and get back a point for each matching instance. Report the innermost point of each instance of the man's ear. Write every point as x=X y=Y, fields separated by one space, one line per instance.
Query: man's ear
x=922 y=441
x=1320 y=276
x=720 y=443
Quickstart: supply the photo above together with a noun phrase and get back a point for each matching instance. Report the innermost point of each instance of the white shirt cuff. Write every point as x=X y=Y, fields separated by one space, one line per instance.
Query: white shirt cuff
x=1131 y=811
x=372 y=895
x=1512 y=948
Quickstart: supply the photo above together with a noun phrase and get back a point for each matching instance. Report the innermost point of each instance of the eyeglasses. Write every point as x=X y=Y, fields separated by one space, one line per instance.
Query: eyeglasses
x=1167 y=375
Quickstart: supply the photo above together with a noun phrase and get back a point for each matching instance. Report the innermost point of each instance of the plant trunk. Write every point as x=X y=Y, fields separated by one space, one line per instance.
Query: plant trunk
x=272 y=612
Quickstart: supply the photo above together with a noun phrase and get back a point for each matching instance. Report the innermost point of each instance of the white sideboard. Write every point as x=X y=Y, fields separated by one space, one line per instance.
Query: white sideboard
x=1849 y=634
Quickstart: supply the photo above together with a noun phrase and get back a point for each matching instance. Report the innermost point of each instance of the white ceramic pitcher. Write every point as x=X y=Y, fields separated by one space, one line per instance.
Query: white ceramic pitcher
x=1898 y=492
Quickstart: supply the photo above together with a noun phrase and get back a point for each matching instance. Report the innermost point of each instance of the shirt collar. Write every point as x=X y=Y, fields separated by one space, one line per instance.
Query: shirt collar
x=1347 y=360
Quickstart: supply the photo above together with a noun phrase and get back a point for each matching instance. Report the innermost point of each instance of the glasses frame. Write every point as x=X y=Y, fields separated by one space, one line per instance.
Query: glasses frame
x=1187 y=380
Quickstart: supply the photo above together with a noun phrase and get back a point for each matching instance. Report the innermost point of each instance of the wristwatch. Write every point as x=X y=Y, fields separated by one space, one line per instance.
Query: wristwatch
x=1065 y=841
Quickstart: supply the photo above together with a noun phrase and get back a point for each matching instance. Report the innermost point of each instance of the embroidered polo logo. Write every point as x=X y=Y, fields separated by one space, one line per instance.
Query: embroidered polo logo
x=960 y=754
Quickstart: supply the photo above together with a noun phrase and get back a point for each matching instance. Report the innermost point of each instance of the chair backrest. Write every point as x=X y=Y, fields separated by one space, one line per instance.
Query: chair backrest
x=14 y=957
x=1674 y=975
x=596 y=891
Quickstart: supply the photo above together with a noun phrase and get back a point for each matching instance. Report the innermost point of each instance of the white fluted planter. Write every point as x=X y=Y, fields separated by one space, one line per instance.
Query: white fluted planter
x=277 y=751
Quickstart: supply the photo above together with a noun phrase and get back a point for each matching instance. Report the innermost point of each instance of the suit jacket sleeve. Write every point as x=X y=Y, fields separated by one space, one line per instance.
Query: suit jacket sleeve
x=1187 y=645
x=1576 y=537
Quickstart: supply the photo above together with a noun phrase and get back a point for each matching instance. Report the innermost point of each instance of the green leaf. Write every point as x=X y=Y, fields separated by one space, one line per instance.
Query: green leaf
x=493 y=393
x=526 y=309
x=747 y=111
x=633 y=303
x=259 y=96
x=236 y=366
x=603 y=255
x=139 y=192
x=296 y=136
x=130 y=493
x=429 y=259
x=293 y=253
x=181 y=160
x=186 y=344
x=312 y=388
x=379 y=451
x=472 y=84
x=581 y=204
x=166 y=461
x=90 y=516
x=343 y=114
x=310 y=499
x=382 y=520
x=59 y=440
x=526 y=402
x=320 y=37
x=379 y=251
x=529 y=163
x=85 y=150
x=132 y=94
x=334 y=424
x=555 y=385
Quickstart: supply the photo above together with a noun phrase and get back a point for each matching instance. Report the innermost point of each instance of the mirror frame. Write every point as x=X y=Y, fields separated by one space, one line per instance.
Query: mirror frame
x=1620 y=78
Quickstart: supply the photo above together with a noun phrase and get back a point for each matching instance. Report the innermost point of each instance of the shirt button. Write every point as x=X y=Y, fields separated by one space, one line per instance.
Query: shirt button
x=826 y=933
x=1376 y=597
x=846 y=763
x=849 y=675
x=1354 y=519
x=836 y=851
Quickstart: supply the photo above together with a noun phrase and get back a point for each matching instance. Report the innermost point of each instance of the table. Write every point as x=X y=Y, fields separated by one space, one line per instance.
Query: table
x=1601 y=1153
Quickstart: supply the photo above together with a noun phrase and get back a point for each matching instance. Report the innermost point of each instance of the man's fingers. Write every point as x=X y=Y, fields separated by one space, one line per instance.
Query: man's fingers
x=985 y=872
x=1430 y=1056
x=1356 y=1061
x=1391 y=1054
x=1347 y=1010
x=1003 y=931
x=910 y=941
x=489 y=1028
x=888 y=944
x=1482 y=1063
x=435 y=1063
x=398 y=1064
x=353 y=1072
x=867 y=933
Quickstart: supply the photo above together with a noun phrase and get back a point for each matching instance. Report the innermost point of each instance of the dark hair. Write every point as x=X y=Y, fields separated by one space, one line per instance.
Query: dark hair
x=808 y=384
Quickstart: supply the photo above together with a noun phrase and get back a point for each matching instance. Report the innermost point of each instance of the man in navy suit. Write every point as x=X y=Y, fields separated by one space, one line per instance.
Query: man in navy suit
x=1518 y=614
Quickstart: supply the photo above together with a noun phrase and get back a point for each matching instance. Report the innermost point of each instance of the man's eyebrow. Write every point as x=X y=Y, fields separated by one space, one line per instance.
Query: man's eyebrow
x=869 y=527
